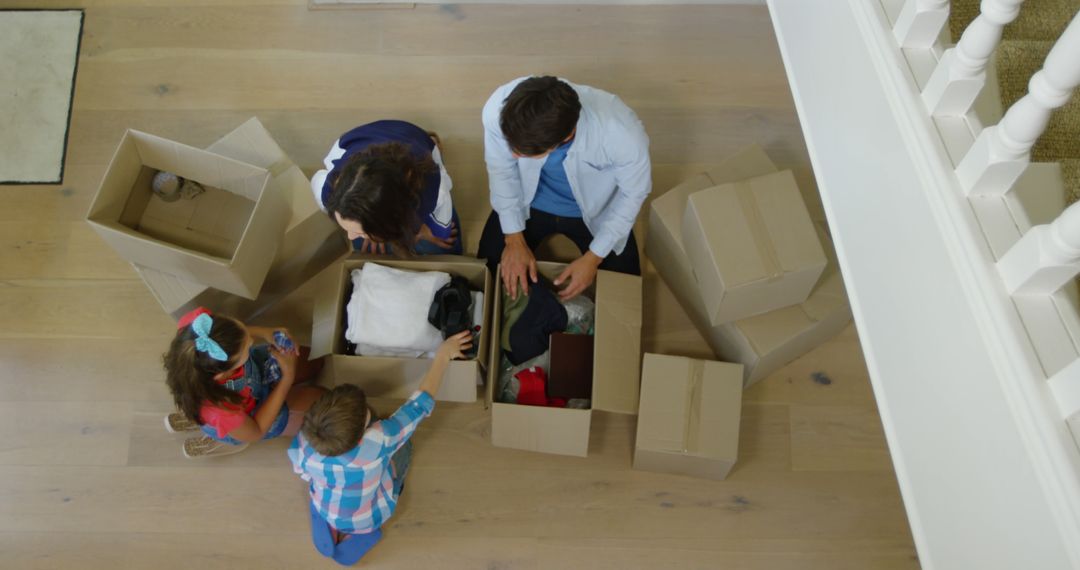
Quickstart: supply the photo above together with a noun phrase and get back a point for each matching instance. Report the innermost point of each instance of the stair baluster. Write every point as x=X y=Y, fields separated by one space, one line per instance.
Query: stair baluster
x=920 y=21
x=1046 y=257
x=961 y=73
x=1001 y=153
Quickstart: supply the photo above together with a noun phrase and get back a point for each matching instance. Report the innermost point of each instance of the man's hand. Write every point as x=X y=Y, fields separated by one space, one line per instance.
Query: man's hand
x=426 y=235
x=580 y=274
x=518 y=265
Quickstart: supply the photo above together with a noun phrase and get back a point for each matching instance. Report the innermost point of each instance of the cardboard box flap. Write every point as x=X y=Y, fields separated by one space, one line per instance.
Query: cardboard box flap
x=617 y=353
x=326 y=322
x=667 y=382
x=251 y=143
x=720 y=407
x=787 y=221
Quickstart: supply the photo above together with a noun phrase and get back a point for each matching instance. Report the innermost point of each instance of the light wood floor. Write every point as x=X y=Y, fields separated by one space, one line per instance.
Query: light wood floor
x=88 y=477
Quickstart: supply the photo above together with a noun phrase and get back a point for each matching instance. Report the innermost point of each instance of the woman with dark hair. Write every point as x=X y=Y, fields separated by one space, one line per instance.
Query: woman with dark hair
x=386 y=186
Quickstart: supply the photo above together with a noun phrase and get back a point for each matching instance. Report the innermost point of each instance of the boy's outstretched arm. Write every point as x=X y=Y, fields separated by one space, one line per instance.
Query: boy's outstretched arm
x=451 y=349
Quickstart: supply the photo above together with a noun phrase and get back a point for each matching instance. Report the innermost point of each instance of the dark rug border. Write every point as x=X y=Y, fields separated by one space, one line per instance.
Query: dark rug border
x=71 y=96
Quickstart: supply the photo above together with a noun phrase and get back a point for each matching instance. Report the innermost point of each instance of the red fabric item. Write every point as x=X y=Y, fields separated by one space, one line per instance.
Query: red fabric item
x=225 y=417
x=190 y=317
x=532 y=391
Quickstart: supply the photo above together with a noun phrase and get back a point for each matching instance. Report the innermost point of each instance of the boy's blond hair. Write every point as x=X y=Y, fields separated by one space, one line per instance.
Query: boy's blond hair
x=335 y=422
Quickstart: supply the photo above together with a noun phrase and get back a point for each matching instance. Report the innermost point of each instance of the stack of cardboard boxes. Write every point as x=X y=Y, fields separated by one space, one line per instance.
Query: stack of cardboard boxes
x=758 y=278
x=251 y=238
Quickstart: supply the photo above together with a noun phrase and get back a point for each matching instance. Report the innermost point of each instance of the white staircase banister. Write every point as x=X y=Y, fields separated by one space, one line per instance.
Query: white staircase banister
x=1045 y=258
x=920 y=21
x=1065 y=386
x=1001 y=153
x=961 y=73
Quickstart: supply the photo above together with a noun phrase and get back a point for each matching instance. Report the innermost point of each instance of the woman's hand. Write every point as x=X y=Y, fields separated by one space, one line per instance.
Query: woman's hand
x=375 y=247
x=447 y=243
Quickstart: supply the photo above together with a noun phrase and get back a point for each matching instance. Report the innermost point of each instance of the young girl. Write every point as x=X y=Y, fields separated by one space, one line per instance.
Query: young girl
x=235 y=383
x=386 y=186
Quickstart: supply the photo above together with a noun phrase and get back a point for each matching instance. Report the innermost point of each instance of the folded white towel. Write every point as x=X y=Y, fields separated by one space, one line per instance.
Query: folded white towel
x=388 y=310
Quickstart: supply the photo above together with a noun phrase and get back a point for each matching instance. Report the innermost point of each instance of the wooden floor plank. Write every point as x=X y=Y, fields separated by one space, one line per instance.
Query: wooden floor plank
x=838 y=438
x=64 y=433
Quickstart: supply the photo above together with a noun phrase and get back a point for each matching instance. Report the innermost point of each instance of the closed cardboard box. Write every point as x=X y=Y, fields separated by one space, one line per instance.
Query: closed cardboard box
x=689 y=417
x=615 y=373
x=752 y=246
x=768 y=341
x=385 y=376
x=226 y=237
x=310 y=244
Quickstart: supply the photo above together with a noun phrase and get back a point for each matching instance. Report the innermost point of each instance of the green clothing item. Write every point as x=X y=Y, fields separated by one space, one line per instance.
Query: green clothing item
x=511 y=311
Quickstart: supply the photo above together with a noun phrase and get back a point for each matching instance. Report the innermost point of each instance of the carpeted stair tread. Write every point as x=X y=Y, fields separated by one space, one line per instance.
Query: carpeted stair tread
x=1017 y=61
x=1038 y=19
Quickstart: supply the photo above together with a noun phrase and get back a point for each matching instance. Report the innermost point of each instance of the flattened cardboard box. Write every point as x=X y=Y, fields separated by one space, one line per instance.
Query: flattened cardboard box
x=616 y=371
x=310 y=244
x=226 y=237
x=766 y=342
x=689 y=417
x=752 y=246
x=385 y=376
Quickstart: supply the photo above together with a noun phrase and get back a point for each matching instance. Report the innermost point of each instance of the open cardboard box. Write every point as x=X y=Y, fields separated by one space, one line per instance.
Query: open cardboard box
x=385 y=376
x=752 y=246
x=226 y=237
x=762 y=343
x=689 y=417
x=616 y=371
x=310 y=244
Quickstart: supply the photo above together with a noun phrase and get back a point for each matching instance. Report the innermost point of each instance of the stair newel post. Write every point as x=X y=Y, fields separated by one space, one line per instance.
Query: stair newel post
x=961 y=73
x=920 y=22
x=1001 y=153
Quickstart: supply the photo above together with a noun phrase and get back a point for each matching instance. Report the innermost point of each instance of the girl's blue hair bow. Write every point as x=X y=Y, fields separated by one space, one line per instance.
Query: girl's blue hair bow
x=203 y=343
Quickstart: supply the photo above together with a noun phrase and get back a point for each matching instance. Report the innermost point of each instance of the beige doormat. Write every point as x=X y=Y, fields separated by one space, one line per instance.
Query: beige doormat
x=39 y=52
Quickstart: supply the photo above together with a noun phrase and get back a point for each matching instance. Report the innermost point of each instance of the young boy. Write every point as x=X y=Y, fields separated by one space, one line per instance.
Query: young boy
x=355 y=464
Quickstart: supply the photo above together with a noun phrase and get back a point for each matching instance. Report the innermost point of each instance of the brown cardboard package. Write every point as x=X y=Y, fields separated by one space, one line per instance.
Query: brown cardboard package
x=616 y=371
x=310 y=244
x=393 y=377
x=226 y=237
x=767 y=341
x=689 y=417
x=752 y=246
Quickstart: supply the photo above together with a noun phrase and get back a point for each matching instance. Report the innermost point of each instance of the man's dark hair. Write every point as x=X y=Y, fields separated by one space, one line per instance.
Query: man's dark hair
x=539 y=114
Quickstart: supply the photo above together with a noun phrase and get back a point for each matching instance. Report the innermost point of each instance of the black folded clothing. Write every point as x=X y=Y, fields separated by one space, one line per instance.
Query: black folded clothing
x=451 y=310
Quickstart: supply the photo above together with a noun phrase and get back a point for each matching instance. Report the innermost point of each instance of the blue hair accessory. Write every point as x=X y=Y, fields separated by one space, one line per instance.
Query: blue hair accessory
x=203 y=343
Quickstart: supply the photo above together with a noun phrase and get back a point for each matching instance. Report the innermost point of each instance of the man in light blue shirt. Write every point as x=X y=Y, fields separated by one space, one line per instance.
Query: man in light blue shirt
x=568 y=159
